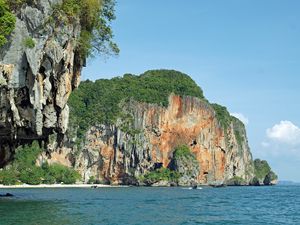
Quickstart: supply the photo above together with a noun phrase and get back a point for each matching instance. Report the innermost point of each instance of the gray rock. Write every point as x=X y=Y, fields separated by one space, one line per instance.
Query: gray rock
x=33 y=17
x=31 y=78
x=50 y=118
x=188 y=167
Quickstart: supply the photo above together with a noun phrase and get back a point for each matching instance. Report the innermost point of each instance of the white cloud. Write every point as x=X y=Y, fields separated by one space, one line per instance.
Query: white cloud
x=241 y=117
x=282 y=140
x=282 y=146
x=284 y=132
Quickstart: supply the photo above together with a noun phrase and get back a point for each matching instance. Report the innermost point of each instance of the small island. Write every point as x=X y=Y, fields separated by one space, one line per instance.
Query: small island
x=155 y=129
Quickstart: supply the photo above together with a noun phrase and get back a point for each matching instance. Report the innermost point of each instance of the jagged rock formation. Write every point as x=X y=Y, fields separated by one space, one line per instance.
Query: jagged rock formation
x=263 y=173
x=36 y=80
x=113 y=154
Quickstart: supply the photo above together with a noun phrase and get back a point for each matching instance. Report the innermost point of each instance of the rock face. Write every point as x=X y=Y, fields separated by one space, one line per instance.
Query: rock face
x=188 y=167
x=118 y=155
x=36 y=81
x=263 y=173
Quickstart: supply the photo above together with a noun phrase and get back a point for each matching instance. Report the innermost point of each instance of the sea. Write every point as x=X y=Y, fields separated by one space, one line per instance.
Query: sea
x=151 y=205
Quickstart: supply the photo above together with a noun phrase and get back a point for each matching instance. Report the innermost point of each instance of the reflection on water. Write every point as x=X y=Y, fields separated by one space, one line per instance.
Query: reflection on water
x=236 y=205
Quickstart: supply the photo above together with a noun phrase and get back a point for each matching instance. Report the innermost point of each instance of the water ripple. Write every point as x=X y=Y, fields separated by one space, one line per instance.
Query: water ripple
x=159 y=206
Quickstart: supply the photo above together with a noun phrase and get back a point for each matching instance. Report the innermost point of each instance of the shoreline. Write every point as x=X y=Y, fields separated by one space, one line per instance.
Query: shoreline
x=28 y=186
x=59 y=186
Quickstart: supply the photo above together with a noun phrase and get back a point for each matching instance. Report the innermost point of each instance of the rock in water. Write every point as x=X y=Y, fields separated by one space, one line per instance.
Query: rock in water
x=7 y=195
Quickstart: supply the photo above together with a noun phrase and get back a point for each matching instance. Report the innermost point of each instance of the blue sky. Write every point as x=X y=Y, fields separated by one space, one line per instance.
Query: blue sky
x=245 y=54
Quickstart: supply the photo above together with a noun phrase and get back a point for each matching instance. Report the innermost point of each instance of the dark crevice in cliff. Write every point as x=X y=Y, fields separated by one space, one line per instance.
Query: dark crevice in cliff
x=134 y=162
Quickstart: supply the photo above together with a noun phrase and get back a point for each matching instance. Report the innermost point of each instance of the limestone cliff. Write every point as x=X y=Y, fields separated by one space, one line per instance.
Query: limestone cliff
x=140 y=121
x=120 y=154
x=39 y=67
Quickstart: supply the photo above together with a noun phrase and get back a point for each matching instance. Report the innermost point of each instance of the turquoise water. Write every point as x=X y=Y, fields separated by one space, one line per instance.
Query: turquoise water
x=231 y=205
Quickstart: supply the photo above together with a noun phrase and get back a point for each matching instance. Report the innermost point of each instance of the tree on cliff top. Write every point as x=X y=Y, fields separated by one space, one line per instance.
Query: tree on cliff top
x=262 y=168
x=155 y=86
x=95 y=19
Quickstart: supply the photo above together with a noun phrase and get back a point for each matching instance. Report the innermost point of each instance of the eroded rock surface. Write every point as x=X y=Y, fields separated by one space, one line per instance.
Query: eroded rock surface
x=36 y=81
x=112 y=154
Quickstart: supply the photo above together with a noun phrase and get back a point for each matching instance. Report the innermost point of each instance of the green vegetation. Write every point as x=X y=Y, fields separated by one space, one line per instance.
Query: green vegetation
x=225 y=120
x=26 y=156
x=24 y=169
x=222 y=115
x=31 y=175
x=263 y=172
x=87 y=108
x=238 y=136
x=92 y=180
x=183 y=151
x=185 y=163
x=161 y=174
x=95 y=17
x=261 y=168
x=60 y=174
x=170 y=174
x=9 y=177
x=29 y=42
x=236 y=181
x=126 y=126
x=239 y=131
x=254 y=181
x=7 y=22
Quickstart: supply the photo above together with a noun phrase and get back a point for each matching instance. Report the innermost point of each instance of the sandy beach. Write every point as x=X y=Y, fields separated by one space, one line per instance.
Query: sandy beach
x=58 y=186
